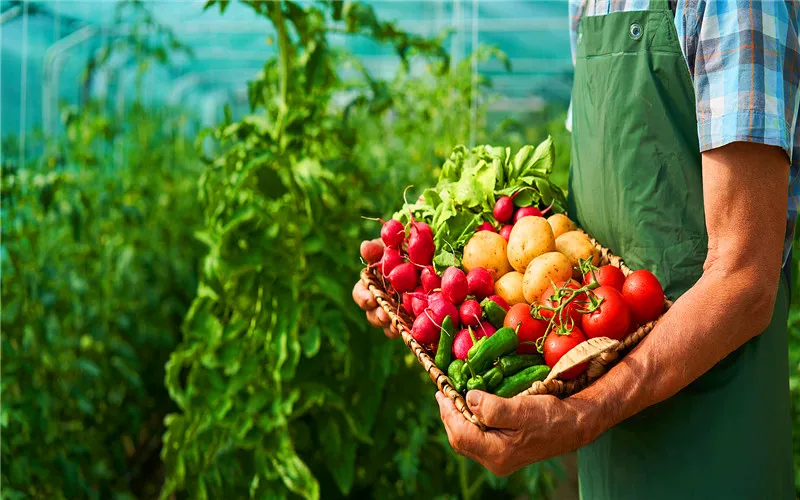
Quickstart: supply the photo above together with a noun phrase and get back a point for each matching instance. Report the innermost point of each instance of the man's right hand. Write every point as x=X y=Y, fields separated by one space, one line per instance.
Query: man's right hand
x=366 y=301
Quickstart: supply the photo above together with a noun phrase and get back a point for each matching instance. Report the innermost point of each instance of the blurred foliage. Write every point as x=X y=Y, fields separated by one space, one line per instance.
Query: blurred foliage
x=98 y=270
x=99 y=266
x=282 y=386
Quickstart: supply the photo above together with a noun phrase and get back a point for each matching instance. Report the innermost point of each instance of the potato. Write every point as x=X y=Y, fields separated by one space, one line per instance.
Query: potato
x=487 y=250
x=530 y=237
x=560 y=224
x=551 y=266
x=576 y=245
x=510 y=288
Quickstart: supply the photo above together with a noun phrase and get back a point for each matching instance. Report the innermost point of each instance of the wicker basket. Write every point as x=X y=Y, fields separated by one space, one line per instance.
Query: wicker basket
x=601 y=353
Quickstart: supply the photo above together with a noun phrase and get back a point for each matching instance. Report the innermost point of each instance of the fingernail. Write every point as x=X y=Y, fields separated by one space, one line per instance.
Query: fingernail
x=438 y=396
x=474 y=398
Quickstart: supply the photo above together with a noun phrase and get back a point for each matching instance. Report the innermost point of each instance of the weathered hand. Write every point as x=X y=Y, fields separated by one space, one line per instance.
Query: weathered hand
x=366 y=301
x=524 y=429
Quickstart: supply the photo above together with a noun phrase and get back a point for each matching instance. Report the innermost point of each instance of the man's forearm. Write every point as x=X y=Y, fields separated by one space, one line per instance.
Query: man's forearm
x=743 y=186
x=720 y=313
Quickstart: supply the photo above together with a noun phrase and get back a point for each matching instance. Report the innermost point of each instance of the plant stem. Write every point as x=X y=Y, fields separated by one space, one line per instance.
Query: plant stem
x=284 y=60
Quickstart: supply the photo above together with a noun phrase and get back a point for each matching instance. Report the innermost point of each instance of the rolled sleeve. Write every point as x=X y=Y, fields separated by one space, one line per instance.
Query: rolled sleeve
x=746 y=70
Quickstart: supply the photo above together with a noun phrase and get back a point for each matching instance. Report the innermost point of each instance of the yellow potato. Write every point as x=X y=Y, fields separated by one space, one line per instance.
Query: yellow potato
x=530 y=238
x=487 y=250
x=576 y=246
x=551 y=266
x=560 y=224
x=510 y=288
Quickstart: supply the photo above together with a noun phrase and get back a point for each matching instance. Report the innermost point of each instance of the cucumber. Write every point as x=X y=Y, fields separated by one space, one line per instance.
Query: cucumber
x=522 y=380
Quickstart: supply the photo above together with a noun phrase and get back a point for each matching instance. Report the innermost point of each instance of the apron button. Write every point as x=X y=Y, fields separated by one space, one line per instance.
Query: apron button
x=636 y=31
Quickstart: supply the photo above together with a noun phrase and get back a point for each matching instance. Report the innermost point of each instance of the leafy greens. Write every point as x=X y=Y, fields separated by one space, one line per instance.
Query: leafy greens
x=469 y=183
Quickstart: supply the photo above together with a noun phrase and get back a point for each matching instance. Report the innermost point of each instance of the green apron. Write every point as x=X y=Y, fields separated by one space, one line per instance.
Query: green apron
x=636 y=185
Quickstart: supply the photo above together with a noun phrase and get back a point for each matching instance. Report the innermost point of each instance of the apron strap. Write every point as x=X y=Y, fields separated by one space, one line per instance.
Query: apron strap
x=660 y=5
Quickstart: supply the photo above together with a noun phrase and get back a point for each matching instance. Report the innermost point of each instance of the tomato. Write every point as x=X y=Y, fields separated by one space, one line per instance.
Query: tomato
x=607 y=275
x=611 y=319
x=644 y=296
x=530 y=328
x=558 y=343
x=571 y=311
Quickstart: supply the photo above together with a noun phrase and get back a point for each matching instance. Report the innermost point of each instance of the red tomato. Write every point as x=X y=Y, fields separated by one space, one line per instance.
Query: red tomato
x=607 y=275
x=559 y=343
x=571 y=311
x=530 y=328
x=644 y=296
x=611 y=319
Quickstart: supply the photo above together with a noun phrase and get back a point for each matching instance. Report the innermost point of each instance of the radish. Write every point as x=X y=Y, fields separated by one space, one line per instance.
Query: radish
x=393 y=233
x=419 y=301
x=407 y=303
x=500 y=301
x=404 y=278
x=454 y=285
x=505 y=231
x=433 y=297
x=438 y=309
x=486 y=329
x=525 y=212
x=391 y=259
x=503 y=209
x=422 y=228
x=420 y=247
x=463 y=342
x=486 y=226
x=470 y=313
x=371 y=251
x=430 y=280
x=424 y=330
x=480 y=283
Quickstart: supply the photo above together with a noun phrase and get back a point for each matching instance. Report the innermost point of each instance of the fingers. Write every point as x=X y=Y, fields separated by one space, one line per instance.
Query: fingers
x=377 y=319
x=465 y=437
x=363 y=297
x=390 y=332
x=496 y=412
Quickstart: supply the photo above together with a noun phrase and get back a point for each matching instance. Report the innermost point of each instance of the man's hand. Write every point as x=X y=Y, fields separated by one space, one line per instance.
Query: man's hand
x=365 y=300
x=744 y=188
x=525 y=429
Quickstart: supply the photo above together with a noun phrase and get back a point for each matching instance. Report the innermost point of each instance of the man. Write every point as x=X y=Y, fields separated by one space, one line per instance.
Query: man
x=685 y=145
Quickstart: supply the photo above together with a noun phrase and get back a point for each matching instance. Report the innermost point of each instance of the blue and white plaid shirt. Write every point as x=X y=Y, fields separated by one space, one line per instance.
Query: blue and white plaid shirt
x=744 y=60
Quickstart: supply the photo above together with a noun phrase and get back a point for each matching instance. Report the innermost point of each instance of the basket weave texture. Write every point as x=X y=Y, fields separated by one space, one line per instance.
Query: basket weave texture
x=600 y=362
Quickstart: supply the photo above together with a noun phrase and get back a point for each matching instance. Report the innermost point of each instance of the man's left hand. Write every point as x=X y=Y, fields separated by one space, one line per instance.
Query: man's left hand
x=523 y=429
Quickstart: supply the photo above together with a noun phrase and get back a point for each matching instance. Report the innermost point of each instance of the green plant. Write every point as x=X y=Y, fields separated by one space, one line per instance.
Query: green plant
x=98 y=269
x=281 y=386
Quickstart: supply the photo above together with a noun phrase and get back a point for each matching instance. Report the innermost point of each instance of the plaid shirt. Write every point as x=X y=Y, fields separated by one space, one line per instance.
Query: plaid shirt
x=744 y=60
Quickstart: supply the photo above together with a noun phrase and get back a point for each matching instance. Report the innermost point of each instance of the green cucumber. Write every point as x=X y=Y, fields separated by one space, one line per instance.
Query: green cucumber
x=522 y=380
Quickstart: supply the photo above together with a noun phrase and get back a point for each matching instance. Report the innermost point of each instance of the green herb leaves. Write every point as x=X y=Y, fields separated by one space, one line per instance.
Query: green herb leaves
x=468 y=185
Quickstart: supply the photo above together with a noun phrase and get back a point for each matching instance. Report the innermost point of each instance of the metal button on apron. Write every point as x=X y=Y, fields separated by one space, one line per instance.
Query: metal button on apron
x=636 y=31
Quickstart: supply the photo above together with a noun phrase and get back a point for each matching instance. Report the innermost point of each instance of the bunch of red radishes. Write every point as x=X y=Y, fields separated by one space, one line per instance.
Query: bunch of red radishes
x=507 y=214
x=405 y=261
x=403 y=255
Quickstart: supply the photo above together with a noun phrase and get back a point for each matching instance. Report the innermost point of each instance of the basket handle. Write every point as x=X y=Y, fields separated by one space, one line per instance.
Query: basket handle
x=581 y=353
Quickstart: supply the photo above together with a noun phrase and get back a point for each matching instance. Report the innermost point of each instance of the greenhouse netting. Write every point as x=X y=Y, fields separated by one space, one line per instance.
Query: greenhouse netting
x=46 y=46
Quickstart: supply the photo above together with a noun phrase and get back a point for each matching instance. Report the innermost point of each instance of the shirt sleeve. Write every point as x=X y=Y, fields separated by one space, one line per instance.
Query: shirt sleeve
x=744 y=57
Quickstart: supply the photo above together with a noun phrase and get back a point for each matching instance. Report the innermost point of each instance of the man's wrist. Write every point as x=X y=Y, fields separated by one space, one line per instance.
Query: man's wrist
x=591 y=420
